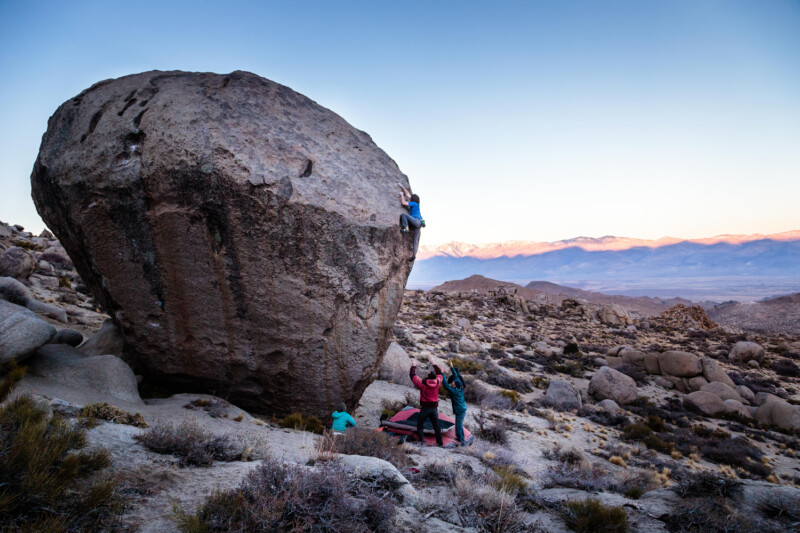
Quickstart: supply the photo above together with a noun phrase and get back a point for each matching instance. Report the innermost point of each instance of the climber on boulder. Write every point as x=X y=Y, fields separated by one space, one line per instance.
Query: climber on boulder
x=412 y=218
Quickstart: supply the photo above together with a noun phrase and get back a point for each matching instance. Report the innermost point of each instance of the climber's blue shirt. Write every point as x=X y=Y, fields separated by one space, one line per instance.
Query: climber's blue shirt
x=413 y=208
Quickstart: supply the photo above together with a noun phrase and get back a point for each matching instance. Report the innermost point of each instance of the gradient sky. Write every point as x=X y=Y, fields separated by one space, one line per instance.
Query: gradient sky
x=514 y=120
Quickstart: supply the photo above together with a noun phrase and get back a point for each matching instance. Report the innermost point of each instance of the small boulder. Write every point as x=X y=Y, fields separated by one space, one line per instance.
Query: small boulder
x=632 y=357
x=661 y=381
x=713 y=371
x=696 y=383
x=723 y=391
x=680 y=364
x=17 y=263
x=613 y=315
x=733 y=406
x=395 y=365
x=746 y=394
x=611 y=384
x=744 y=351
x=651 y=365
x=67 y=336
x=704 y=402
x=467 y=345
x=609 y=405
x=754 y=364
x=763 y=397
x=562 y=395
x=21 y=332
x=464 y=324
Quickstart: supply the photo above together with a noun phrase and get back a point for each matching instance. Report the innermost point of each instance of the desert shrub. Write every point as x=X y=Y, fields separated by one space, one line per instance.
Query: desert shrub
x=710 y=515
x=605 y=418
x=719 y=447
x=785 y=367
x=633 y=372
x=512 y=395
x=570 y=456
x=109 y=413
x=482 y=506
x=278 y=497
x=706 y=485
x=365 y=442
x=569 y=367
x=441 y=473
x=299 y=421
x=571 y=348
x=756 y=382
x=495 y=432
x=591 y=516
x=634 y=485
x=516 y=363
x=505 y=380
x=581 y=475
x=466 y=366
x=643 y=433
x=191 y=444
x=49 y=481
x=215 y=407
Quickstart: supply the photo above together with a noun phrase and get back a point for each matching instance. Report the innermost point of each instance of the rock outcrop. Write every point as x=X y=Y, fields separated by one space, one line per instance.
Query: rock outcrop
x=610 y=384
x=242 y=237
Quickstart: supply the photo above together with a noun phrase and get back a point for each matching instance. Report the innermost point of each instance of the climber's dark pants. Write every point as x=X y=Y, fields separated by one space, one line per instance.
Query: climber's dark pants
x=433 y=414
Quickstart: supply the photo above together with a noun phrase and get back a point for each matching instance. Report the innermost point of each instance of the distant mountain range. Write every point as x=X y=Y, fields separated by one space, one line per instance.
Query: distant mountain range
x=607 y=259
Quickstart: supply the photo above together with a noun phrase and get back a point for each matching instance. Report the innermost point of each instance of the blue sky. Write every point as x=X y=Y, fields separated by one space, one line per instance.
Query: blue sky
x=514 y=120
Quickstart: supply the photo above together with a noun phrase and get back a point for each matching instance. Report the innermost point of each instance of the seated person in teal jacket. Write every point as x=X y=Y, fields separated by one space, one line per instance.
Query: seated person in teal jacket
x=341 y=419
x=455 y=387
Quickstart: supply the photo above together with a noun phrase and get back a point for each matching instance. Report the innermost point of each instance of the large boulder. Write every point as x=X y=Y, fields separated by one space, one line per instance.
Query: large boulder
x=21 y=332
x=744 y=351
x=562 y=395
x=17 y=263
x=679 y=364
x=610 y=384
x=703 y=402
x=106 y=341
x=778 y=412
x=723 y=391
x=243 y=237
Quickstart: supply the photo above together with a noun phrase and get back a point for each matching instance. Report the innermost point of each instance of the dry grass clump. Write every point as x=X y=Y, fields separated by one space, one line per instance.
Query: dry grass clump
x=299 y=421
x=215 y=408
x=193 y=445
x=706 y=485
x=720 y=447
x=591 y=516
x=109 y=413
x=510 y=479
x=48 y=481
x=12 y=373
x=787 y=368
x=365 y=442
x=279 y=497
x=466 y=366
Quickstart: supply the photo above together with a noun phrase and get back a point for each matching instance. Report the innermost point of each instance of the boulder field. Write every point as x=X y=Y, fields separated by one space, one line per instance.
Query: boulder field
x=243 y=238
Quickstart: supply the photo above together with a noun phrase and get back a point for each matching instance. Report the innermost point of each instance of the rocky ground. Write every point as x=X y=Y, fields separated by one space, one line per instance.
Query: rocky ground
x=587 y=417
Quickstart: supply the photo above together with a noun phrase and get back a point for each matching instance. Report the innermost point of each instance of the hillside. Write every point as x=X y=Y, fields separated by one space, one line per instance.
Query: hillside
x=781 y=314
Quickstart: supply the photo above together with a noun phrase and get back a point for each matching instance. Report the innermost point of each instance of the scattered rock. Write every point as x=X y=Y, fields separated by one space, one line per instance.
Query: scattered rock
x=562 y=395
x=744 y=351
x=704 y=402
x=464 y=324
x=374 y=469
x=17 y=263
x=21 y=332
x=754 y=364
x=611 y=384
x=679 y=364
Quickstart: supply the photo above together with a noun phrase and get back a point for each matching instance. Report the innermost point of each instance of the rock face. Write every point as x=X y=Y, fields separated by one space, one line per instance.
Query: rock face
x=243 y=238
x=562 y=395
x=679 y=364
x=395 y=365
x=703 y=402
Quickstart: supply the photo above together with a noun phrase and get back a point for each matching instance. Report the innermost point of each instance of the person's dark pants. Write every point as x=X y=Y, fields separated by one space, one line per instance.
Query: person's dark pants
x=460 y=426
x=407 y=220
x=433 y=414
